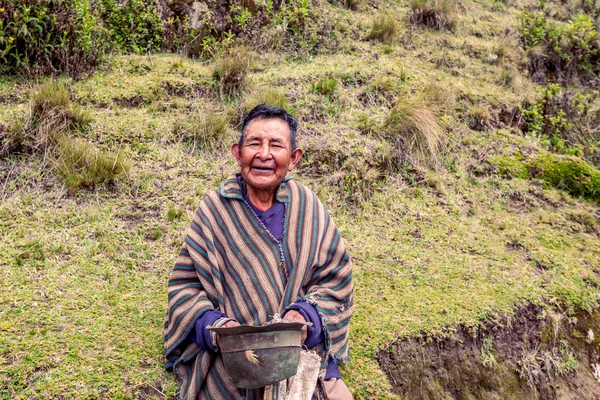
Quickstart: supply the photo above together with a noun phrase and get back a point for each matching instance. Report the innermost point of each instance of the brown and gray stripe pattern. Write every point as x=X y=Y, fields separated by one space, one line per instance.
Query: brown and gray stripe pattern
x=228 y=262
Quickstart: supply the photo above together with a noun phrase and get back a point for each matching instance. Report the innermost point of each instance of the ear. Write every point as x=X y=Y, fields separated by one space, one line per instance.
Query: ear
x=236 y=150
x=296 y=156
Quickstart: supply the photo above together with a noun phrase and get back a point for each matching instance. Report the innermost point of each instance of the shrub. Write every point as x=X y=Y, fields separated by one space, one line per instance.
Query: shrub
x=230 y=71
x=206 y=129
x=560 y=52
x=81 y=164
x=435 y=14
x=418 y=136
x=134 y=25
x=325 y=86
x=272 y=96
x=50 y=37
x=385 y=28
x=566 y=122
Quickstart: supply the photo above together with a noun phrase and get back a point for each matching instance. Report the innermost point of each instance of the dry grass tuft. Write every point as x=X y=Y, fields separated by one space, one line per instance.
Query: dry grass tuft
x=435 y=14
x=47 y=131
x=81 y=164
x=385 y=28
x=51 y=115
x=418 y=136
x=230 y=71
x=206 y=129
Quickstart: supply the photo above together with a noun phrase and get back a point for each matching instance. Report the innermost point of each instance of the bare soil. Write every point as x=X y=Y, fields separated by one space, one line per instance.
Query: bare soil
x=529 y=355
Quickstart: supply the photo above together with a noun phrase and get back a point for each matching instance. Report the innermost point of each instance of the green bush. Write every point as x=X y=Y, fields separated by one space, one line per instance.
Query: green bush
x=435 y=14
x=385 y=28
x=565 y=121
x=48 y=37
x=134 y=25
x=562 y=52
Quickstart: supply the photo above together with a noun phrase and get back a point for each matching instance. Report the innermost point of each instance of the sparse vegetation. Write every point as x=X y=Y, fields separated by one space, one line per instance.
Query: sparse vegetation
x=48 y=132
x=385 y=28
x=325 y=86
x=434 y=14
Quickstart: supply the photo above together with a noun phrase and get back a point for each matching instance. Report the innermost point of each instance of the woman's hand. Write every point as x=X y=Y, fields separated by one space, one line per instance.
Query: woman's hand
x=295 y=316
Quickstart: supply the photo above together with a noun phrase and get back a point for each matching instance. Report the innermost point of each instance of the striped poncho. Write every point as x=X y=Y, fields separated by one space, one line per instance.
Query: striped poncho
x=229 y=262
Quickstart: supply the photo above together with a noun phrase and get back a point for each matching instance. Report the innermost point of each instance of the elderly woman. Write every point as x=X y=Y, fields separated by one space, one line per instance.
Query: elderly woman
x=260 y=245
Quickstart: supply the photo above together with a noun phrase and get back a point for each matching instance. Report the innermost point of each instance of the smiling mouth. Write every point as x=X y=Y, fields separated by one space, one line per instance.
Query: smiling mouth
x=258 y=168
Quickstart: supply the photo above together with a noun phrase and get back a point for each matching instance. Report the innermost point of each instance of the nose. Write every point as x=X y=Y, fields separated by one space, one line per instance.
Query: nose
x=264 y=151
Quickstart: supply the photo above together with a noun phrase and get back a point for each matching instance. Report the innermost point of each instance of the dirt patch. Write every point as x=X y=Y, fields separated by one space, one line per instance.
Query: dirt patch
x=133 y=101
x=179 y=89
x=534 y=354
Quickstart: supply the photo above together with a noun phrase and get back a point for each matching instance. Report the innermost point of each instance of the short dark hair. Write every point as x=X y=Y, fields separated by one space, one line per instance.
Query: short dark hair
x=263 y=111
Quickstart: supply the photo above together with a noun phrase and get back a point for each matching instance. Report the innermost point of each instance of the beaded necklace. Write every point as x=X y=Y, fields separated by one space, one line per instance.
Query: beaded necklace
x=278 y=242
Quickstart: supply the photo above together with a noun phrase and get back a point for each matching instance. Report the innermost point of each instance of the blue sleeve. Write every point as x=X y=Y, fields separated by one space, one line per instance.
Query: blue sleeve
x=200 y=334
x=315 y=332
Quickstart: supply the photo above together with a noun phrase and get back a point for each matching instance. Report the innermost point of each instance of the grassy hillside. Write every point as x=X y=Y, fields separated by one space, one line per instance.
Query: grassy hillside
x=435 y=244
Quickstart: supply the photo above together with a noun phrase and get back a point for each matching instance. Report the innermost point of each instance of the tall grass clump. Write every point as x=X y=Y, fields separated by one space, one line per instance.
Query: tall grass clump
x=270 y=96
x=434 y=14
x=204 y=130
x=419 y=138
x=49 y=37
x=231 y=70
x=385 y=28
x=51 y=115
x=81 y=164
x=48 y=131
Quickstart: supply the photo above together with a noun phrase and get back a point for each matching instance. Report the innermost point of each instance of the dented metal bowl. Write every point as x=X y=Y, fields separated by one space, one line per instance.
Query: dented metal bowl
x=258 y=356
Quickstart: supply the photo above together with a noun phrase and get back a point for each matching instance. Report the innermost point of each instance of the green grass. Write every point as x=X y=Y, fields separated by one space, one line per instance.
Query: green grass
x=83 y=274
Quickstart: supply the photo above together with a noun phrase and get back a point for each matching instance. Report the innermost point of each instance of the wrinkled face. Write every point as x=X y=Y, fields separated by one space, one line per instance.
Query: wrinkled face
x=266 y=154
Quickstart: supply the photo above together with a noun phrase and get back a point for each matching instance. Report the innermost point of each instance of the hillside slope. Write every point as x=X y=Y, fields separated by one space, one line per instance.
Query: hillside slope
x=435 y=246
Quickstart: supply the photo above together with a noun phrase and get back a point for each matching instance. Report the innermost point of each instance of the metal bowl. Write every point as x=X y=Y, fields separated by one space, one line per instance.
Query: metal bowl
x=258 y=356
